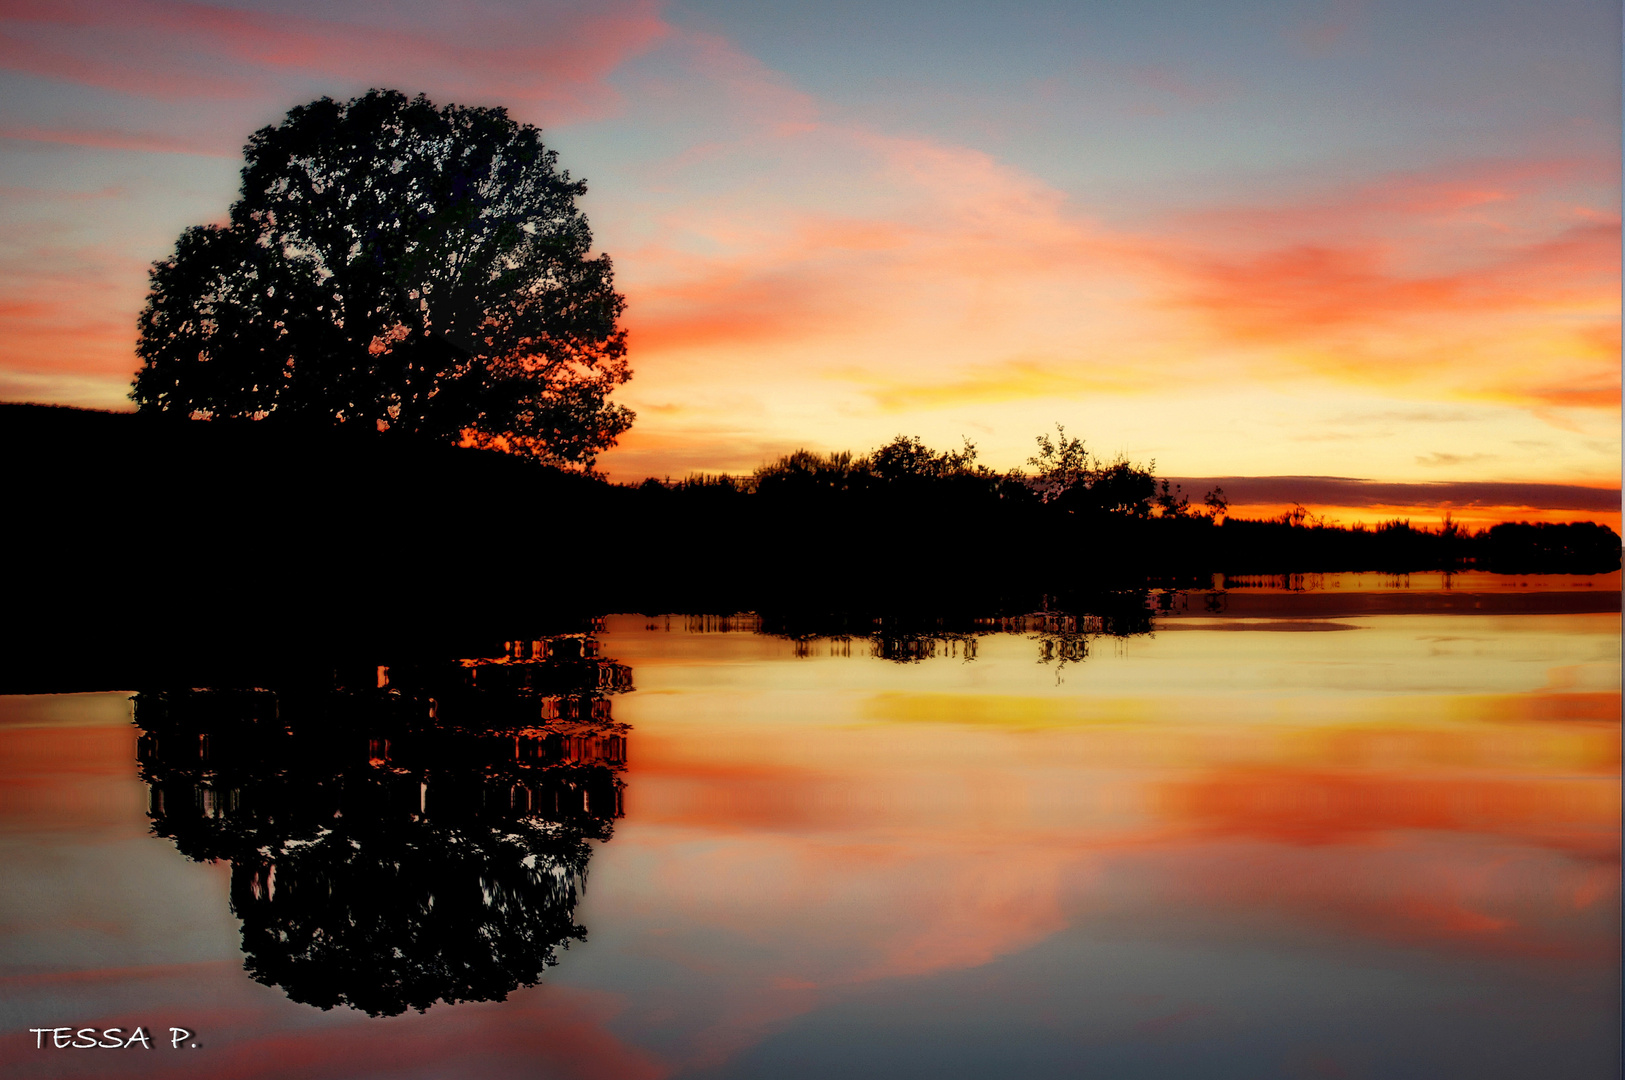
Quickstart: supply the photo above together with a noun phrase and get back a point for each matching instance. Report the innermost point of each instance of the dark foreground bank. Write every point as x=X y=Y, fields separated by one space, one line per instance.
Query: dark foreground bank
x=231 y=540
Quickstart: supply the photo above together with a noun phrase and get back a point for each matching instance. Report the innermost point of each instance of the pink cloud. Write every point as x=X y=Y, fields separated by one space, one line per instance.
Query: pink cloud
x=1448 y=194
x=1321 y=35
x=77 y=321
x=1175 y=85
x=1448 y=265
x=143 y=142
x=110 y=72
x=161 y=48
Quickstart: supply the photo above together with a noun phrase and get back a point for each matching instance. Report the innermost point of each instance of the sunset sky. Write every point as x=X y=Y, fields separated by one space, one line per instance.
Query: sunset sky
x=1367 y=240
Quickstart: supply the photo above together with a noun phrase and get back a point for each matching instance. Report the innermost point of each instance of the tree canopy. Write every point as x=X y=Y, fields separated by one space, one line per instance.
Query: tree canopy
x=397 y=266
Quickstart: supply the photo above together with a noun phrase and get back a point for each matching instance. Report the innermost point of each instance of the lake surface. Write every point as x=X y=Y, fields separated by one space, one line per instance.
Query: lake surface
x=1290 y=844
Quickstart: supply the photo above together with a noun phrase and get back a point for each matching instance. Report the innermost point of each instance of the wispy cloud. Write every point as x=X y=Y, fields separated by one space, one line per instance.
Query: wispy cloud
x=107 y=139
x=555 y=55
x=1305 y=290
x=1443 y=459
x=1012 y=380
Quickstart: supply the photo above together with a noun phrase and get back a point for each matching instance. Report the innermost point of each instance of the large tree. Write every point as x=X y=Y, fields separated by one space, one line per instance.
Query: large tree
x=397 y=266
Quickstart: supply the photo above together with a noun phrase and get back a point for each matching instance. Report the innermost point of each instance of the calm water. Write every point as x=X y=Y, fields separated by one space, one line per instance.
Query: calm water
x=1366 y=846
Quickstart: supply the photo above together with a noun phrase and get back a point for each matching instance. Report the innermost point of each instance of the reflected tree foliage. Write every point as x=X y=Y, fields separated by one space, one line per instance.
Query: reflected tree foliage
x=1063 y=639
x=912 y=648
x=400 y=835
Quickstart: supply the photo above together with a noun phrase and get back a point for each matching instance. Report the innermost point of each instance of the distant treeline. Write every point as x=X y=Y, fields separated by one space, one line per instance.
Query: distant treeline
x=1081 y=517
x=276 y=532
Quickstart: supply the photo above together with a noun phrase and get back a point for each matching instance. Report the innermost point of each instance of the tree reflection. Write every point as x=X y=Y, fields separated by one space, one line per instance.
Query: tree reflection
x=398 y=835
x=1062 y=634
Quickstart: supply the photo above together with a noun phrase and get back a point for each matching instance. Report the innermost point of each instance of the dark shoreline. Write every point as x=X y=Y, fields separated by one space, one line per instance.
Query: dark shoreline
x=200 y=552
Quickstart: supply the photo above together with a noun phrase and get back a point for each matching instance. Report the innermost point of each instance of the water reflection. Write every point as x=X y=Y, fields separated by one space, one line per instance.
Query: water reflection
x=398 y=835
x=1285 y=839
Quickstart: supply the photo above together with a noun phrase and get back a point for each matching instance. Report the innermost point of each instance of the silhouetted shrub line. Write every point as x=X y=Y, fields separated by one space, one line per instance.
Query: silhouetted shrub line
x=286 y=538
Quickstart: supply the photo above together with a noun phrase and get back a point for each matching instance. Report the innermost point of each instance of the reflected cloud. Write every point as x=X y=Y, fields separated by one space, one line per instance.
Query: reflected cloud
x=1317 y=807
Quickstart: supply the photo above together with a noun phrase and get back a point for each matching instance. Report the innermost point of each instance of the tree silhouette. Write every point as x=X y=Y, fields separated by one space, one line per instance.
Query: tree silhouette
x=1074 y=480
x=397 y=266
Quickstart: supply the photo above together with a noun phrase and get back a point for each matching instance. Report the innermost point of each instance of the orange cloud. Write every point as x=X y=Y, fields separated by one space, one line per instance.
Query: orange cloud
x=1306 y=289
x=68 y=327
x=1468 y=281
x=686 y=448
x=730 y=305
x=1590 y=397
